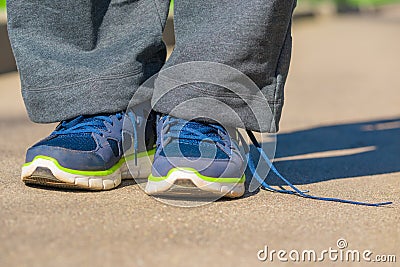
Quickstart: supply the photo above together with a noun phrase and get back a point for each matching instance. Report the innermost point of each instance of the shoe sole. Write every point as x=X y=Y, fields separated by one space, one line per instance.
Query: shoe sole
x=228 y=187
x=46 y=171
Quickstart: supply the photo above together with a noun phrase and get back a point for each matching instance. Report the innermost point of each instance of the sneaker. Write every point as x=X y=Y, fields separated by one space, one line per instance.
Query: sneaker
x=87 y=152
x=202 y=155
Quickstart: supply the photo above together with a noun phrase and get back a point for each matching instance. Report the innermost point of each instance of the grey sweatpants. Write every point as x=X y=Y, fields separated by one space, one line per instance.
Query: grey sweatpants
x=83 y=57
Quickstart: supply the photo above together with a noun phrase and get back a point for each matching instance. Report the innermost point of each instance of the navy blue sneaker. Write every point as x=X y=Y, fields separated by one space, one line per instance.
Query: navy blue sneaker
x=203 y=155
x=91 y=152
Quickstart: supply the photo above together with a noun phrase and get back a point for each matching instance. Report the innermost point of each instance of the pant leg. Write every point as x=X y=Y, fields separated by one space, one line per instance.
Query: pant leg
x=82 y=57
x=251 y=36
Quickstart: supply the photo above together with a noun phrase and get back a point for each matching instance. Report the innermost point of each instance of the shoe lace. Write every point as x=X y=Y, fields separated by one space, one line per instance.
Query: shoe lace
x=135 y=122
x=295 y=190
x=179 y=129
x=85 y=124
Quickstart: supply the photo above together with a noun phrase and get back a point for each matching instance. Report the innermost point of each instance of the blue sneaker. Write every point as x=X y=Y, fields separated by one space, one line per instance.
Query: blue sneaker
x=202 y=155
x=91 y=152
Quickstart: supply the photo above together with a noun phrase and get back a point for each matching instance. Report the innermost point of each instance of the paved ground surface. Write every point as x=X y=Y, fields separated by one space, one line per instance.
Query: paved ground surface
x=340 y=137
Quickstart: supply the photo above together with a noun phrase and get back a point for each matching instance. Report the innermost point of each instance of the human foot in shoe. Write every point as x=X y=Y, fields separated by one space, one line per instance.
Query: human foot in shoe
x=204 y=155
x=87 y=152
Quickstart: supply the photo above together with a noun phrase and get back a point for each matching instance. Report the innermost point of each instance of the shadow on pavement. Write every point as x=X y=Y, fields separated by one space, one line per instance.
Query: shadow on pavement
x=338 y=151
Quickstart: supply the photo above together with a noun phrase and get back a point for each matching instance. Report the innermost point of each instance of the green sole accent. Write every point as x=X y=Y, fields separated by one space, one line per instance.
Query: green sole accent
x=92 y=173
x=203 y=177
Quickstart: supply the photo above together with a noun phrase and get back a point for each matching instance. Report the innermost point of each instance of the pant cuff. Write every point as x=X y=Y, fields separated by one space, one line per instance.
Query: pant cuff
x=107 y=94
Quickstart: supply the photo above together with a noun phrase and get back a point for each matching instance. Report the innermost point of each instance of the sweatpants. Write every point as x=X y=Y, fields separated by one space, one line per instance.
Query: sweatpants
x=86 y=57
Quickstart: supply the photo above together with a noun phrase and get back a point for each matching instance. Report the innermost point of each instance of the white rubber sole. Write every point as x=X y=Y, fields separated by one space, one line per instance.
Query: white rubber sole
x=47 y=172
x=160 y=185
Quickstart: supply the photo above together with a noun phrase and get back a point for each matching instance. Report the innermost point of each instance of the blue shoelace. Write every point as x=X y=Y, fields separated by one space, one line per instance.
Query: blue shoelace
x=134 y=121
x=295 y=190
x=85 y=124
x=174 y=128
